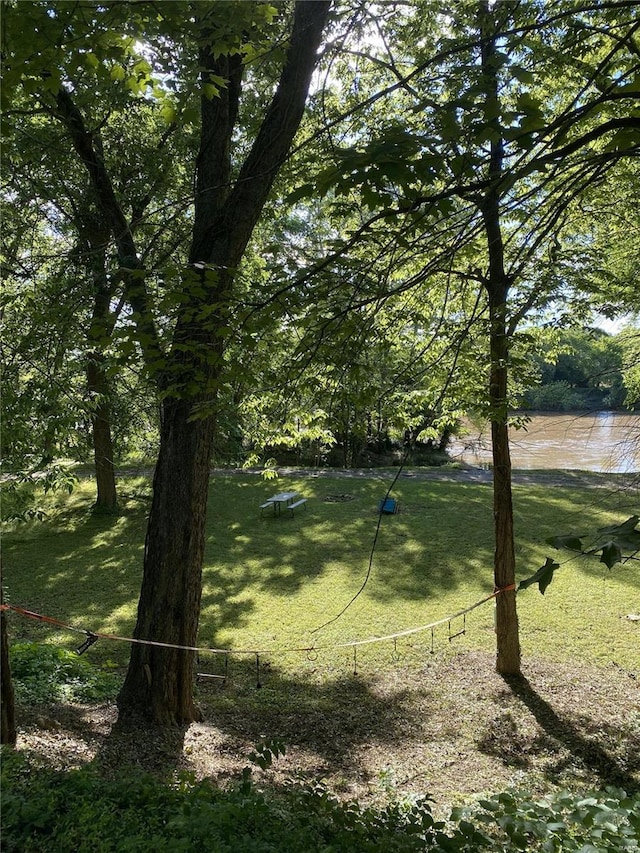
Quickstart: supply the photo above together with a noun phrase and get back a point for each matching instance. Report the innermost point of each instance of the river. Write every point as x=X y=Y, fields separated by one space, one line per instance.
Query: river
x=606 y=441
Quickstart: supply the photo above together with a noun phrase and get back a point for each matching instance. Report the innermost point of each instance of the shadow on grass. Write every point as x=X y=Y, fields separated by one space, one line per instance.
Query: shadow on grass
x=582 y=745
x=331 y=719
x=133 y=742
x=80 y=731
x=418 y=553
x=327 y=723
x=89 y=572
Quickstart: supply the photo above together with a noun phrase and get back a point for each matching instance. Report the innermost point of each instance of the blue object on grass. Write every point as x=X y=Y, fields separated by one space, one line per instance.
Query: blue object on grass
x=389 y=506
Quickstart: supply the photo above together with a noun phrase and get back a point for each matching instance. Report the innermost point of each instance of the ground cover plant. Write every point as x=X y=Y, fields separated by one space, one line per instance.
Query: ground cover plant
x=393 y=722
x=82 y=811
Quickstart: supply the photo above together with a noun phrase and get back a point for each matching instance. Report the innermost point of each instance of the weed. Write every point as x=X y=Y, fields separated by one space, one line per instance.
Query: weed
x=43 y=673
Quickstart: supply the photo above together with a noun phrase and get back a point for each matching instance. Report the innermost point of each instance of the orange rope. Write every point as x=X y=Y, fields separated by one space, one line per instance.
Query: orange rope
x=303 y=649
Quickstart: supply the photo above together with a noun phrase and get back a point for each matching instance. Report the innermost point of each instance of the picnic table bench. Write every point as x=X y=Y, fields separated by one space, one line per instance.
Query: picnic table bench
x=302 y=502
x=283 y=499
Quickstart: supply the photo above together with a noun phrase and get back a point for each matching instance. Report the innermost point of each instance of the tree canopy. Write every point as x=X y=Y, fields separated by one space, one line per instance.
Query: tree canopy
x=385 y=197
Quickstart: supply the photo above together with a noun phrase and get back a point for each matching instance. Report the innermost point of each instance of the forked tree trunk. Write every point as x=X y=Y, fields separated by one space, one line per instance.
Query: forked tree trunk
x=159 y=680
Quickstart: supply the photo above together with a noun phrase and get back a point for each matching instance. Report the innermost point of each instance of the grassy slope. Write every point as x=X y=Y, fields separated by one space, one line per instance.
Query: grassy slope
x=270 y=582
x=409 y=721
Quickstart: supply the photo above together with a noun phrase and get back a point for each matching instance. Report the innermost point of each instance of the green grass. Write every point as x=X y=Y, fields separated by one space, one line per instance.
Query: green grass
x=271 y=583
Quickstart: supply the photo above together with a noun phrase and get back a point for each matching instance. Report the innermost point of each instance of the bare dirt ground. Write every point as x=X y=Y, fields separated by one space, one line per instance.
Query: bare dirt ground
x=451 y=729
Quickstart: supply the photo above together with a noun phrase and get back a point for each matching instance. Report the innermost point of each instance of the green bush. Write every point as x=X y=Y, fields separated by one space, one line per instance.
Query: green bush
x=43 y=673
x=554 y=397
x=78 y=810
x=599 y=821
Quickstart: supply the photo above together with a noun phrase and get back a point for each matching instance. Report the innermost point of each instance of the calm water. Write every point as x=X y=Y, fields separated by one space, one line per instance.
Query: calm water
x=606 y=441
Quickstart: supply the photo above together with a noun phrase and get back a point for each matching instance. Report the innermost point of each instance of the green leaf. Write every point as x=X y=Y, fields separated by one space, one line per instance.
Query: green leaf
x=521 y=74
x=624 y=535
x=91 y=60
x=210 y=91
x=571 y=541
x=304 y=191
x=168 y=113
x=627 y=526
x=611 y=554
x=542 y=577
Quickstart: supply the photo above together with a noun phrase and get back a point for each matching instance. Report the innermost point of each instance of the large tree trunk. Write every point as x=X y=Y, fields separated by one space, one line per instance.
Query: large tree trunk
x=159 y=679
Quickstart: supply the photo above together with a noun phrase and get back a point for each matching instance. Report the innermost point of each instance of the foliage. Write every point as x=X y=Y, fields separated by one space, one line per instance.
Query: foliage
x=586 y=822
x=45 y=673
x=581 y=369
x=630 y=342
x=79 y=810
x=554 y=397
x=266 y=752
x=614 y=544
x=21 y=491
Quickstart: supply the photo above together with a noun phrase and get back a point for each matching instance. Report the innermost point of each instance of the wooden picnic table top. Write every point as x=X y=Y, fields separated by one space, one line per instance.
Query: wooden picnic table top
x=283 y=497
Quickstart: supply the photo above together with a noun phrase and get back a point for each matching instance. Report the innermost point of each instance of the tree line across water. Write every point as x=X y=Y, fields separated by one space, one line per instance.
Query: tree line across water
x=372 y=422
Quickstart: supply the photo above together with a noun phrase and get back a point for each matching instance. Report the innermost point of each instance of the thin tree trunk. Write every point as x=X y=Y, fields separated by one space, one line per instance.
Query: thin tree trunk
x=94 y=233
x=106 y=492
x=497 y=285
x=8 y=733
x=507 y=631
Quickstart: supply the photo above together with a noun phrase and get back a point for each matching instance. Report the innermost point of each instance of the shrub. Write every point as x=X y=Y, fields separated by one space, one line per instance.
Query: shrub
x=598 y=821
x=43 y=673
x=78 y=810
x=554 y=397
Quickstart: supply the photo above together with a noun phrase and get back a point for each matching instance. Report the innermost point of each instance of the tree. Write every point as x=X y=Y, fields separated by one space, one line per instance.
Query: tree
x=216 y=44
x=498 y=120
x=8 y=732
x=579 y=369
x=61 y=299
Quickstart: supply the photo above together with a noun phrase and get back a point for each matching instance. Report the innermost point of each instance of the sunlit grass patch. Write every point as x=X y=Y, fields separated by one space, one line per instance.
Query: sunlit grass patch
x=281 y=583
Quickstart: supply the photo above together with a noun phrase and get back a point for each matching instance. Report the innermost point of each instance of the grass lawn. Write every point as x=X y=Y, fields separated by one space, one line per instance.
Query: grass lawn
x=422 y=713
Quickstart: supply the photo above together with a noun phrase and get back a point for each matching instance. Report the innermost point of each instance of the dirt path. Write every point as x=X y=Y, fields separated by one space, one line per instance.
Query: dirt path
x=549 y=477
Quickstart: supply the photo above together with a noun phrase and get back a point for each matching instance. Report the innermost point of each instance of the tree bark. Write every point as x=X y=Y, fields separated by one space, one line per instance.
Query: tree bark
x=159 y=679
x=497 y=284
x=106 y=491
x=97 y=382
x=504 y=564
x=8 y=733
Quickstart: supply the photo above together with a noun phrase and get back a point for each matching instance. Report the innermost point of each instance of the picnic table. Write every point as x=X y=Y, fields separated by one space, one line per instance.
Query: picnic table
x=283 y=499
